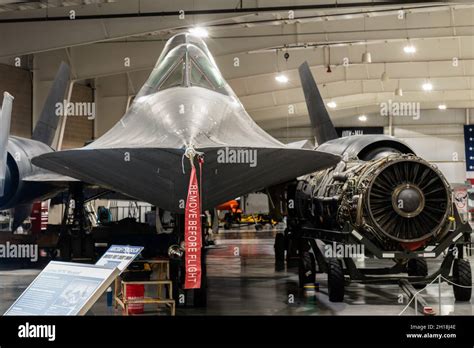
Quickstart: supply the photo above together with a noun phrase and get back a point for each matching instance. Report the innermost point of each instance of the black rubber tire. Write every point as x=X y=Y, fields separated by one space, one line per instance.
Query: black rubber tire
x=306 y=269
x=279 y=247
x=462 y=275
x=417 y=268
x=335 y=280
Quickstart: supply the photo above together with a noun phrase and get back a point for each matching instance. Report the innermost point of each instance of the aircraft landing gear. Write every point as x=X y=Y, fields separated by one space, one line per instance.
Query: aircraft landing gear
x=279 y=247
x=195 y=297
x=75 y=240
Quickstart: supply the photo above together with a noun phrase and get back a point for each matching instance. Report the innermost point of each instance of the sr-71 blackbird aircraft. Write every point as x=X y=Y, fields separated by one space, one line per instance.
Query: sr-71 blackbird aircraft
x=185 y=106
x=21 y=182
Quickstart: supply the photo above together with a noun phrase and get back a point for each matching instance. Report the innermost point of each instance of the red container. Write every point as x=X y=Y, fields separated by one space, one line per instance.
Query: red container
x=135 y=292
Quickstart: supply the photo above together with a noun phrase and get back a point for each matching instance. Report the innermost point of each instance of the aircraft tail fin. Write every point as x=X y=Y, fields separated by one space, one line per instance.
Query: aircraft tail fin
x=5 y=120
x=45 y=129
x=321 y=123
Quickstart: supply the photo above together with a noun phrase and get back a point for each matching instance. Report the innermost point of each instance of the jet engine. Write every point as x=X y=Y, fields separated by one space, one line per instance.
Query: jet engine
x=21 y=184
x=399 y=202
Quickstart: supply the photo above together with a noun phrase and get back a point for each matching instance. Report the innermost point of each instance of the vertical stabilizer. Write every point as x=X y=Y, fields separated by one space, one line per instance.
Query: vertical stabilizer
x=5 y=120
x=321 y=123
x=45 y=129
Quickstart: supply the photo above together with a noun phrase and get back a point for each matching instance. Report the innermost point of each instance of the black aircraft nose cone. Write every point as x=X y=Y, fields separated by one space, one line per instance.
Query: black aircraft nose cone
x=408 y=200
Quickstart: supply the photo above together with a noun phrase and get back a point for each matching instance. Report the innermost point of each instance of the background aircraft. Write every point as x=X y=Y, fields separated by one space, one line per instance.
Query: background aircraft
x=21 y=182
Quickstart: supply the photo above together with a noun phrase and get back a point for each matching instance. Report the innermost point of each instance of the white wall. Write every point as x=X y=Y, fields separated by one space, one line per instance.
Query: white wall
x=436 y=136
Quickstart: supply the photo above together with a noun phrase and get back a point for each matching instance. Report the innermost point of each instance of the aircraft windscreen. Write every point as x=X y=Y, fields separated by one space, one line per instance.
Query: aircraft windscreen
x=167 y=73
x=184 y=38
x=185 y=65
x=175 y=77
x=203 y=72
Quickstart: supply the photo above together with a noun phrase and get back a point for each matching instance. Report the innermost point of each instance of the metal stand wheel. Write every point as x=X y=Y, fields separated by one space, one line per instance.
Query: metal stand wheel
x=335 y=280
x=306 y=268
x=417 y=268
x=462 y=276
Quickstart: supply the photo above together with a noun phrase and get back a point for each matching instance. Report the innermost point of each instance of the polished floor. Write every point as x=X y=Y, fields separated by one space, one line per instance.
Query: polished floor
x=243 y=280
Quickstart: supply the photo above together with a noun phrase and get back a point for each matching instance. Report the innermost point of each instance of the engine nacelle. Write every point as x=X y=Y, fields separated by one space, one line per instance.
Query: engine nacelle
x=18 y=188
x=398 y=201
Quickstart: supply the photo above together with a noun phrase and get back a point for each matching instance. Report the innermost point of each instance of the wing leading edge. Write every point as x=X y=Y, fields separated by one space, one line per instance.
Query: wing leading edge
x=155 y=175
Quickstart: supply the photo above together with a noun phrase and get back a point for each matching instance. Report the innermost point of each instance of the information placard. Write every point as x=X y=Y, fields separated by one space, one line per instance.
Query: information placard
x=119 y=256
x=64 y=288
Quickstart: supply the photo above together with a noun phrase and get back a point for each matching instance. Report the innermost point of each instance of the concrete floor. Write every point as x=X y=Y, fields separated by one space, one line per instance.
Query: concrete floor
x=243 y=280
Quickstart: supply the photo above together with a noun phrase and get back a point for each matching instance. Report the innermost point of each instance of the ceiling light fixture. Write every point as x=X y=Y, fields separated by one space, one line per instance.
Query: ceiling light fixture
x=281 y=78
x=332 y=104
x=362 y=118
x=409 y=49
x=442 y=106
x=427 y=86
x=199 y=32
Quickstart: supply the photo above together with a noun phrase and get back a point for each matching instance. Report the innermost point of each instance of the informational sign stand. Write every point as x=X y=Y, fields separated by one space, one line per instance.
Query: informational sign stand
x=120 y=256
x=64 y=288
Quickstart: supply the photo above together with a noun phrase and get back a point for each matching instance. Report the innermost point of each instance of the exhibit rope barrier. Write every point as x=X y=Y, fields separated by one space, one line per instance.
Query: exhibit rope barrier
x=437 y=279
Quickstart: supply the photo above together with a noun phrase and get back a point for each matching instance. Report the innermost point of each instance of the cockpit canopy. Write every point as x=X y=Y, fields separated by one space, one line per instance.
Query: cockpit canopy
x=185 y=62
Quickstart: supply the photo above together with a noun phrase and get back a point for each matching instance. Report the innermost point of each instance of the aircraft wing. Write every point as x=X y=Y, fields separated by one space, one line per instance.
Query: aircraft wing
x=155 y=175
x=49 y=177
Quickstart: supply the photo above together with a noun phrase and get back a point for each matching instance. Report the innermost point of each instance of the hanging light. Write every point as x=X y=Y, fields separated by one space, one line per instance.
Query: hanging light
x=363 y=118
x=384 y=77
x=332 y=104
x=399 y=90
x=329 y=60
x=366 y=58
x=281 y=78
x=427 y=86
x=442 y=106
x=409 y=49
x=199 y=32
